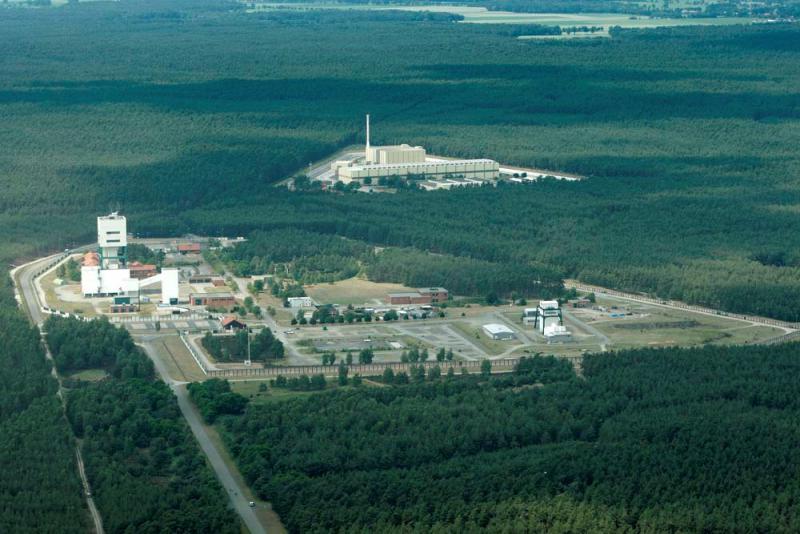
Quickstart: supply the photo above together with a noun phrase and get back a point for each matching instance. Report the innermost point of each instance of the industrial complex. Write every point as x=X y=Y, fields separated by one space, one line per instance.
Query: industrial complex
x=106 y=272
x=406 y=161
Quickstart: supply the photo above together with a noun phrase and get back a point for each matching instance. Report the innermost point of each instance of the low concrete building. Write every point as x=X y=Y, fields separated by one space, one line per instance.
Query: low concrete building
x=476 y=169
x=423 y=295
x=216 y=281
x=189 y=248
x=498 y=331
x=556 y=333
x=300 y=302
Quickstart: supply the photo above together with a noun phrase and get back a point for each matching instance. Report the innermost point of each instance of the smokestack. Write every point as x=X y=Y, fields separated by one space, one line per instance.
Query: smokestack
x=366 y=152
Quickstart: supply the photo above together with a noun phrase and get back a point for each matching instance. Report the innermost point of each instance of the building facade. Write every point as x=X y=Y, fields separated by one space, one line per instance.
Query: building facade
x=476 y=169
x=213 y=300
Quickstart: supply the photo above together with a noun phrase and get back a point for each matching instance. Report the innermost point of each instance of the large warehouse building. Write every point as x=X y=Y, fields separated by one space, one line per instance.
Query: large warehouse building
x=405 y=160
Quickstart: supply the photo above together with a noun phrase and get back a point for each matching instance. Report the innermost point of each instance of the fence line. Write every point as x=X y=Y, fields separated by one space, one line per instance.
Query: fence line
x=364 y=369
x=194 y=355
x=682 y=305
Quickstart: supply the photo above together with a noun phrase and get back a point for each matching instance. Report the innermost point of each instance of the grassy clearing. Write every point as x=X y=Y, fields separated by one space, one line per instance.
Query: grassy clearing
x=180 y=363
x=353 y=291
x=53 y=301
x=250 y=389
x=654 y=326
x=476 y=335
x=90 y=375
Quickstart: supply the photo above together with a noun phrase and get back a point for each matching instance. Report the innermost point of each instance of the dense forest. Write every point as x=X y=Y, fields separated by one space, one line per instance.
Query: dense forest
x=307 y=257
x=313 y=257
x=144 y=466
x=264 y=346
x=39 y=486
x=98 y=344
x=688 y=137
x=146 y=470
x=649 y=440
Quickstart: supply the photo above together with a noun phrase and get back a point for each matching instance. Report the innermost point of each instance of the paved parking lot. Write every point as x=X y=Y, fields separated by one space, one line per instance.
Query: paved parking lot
x=142 y=326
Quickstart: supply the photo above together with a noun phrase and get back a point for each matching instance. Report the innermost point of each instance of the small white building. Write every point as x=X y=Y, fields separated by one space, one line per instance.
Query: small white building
x=498 y=331
x=300 y=302
x=556 y=333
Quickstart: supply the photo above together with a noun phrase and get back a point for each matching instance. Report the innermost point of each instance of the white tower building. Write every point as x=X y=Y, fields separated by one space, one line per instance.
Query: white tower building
x=112 y=241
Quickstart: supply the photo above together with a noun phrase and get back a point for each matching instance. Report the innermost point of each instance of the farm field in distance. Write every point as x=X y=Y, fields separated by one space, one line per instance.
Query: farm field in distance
x=481 y=15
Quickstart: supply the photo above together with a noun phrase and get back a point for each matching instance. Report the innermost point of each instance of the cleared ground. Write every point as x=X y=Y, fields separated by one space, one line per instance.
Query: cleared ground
x=480 y=15
x=66 y=297
x=180 y=364
x=353 y=291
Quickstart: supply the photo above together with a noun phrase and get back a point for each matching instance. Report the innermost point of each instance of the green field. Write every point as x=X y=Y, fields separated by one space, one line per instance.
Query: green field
x=353 y=291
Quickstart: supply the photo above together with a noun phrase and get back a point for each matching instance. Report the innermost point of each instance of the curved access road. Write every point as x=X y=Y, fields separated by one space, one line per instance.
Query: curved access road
x=25 y=277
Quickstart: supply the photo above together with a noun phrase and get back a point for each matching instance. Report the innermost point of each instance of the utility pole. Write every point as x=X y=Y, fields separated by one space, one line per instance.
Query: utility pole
x=247 y=361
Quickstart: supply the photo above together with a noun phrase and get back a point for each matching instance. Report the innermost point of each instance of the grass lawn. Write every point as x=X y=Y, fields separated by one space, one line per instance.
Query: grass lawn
x=655 y=326
x=353 y=291
x=48 y=285
x=180 y=363
x=90 y=375
x=250 y=389
x=479 y=338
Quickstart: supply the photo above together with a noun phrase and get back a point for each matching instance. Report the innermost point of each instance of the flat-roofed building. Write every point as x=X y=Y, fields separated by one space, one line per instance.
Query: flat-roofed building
x=475 y=169
x=498 y=331
x=189 y=248
x=300 y=302
x=423 y=295
x=385 y=155
x=212 y=300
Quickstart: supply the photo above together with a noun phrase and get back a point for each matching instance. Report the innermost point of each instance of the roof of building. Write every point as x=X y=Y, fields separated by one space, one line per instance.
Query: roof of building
x=405 y=294
x=189 y=246
x=548 y=304
x=556 y=330
x=230 y=320
x=219 y=295
x=432 y=290
x=495 y=328
x=91 y=259
x=138 y=266
x=446 y=163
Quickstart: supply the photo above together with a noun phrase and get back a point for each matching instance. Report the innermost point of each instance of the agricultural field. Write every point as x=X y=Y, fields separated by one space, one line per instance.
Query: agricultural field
x=481 y=15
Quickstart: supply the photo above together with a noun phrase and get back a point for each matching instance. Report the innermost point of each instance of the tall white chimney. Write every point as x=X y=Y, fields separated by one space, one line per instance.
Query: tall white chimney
x=366 y=153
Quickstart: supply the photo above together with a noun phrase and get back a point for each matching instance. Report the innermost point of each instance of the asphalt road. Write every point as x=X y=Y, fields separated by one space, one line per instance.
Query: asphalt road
x=236 y=492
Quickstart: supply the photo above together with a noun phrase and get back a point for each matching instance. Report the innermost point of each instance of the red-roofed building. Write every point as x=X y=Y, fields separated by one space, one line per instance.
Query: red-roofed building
x=189 y=248
x=91 y=259
x=142 y=271
x=232 y=323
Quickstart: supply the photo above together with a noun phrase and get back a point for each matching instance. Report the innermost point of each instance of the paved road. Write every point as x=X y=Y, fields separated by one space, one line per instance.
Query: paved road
x=604 y=339
x=236 y=492
x=293 y=355
x=26 y=275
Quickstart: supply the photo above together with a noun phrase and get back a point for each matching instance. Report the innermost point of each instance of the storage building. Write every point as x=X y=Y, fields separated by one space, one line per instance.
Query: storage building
x=498 y=331
x=213 y=300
